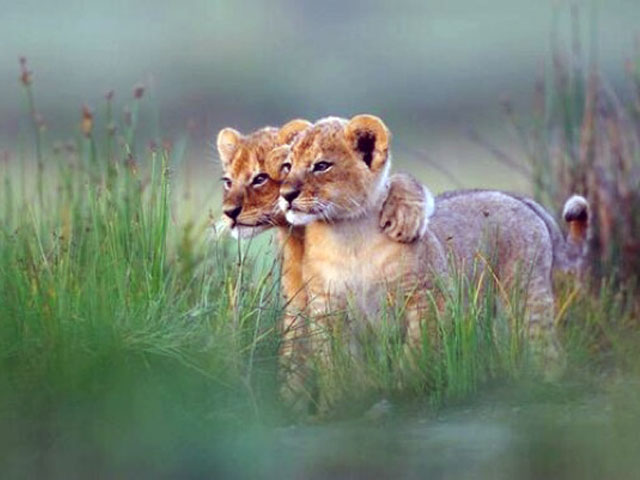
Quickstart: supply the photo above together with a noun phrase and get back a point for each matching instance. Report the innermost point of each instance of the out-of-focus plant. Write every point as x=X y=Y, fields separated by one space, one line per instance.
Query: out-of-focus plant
x=585 y=138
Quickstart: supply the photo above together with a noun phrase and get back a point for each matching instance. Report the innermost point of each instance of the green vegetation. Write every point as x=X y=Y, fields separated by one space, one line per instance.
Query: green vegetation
x=132 y=343
x=583 y=137
x=101 y=284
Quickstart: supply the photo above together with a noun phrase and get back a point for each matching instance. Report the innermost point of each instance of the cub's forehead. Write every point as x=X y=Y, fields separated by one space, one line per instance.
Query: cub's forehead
x=243 y=163
x=326 y=136
x=251 y=155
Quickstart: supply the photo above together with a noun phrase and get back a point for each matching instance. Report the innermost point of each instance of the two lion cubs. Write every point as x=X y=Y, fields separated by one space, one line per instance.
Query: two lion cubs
x=349 y=231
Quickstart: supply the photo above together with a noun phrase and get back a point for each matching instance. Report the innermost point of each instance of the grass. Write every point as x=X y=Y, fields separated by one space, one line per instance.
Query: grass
x=114 y=316
x=584 y=137
x=132 y=341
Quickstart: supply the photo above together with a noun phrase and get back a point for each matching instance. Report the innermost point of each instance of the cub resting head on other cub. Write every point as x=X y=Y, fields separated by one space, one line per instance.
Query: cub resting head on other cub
x=254 y=167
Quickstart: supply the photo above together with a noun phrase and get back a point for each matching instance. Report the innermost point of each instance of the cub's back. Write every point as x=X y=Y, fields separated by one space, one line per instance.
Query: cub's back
x=499 y=226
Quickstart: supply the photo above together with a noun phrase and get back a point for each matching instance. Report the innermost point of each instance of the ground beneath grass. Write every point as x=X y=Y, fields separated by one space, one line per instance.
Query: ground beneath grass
x=529 y=431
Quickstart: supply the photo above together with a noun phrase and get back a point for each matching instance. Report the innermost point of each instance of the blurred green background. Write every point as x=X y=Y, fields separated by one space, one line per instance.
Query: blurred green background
x=142 y=387
x=432 y=70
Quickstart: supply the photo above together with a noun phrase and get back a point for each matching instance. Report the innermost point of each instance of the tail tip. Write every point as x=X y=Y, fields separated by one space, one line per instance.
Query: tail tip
x=576 y=209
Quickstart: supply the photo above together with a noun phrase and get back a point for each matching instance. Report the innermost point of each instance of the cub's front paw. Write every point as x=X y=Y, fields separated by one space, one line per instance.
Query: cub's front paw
x=406 y=209
x=402 y=220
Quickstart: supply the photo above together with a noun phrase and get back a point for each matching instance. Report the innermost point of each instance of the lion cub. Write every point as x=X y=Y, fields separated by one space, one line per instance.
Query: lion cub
x=337 y=187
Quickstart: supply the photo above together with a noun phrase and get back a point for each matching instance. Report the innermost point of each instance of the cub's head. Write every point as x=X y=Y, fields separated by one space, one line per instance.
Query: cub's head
x=338 y=170
x=252 y=175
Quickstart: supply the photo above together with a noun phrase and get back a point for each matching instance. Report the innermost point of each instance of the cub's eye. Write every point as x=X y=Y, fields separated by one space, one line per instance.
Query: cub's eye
x=260 y=179
x=285 y=168
x=322 y=166
x=227 y=182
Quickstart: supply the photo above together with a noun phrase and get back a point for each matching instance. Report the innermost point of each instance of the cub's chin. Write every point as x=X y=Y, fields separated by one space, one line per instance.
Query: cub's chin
x=242 y=231
x=300 y=218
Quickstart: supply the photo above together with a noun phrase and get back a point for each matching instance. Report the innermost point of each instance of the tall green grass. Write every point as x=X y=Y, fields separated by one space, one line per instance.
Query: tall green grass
x=476 y=338
x=582 y=135
x=120 y=329
x=97 y=273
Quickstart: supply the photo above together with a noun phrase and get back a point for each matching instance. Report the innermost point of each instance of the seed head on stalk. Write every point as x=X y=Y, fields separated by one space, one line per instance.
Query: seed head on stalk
x=26 y=79
x=26 y=75
x=138 y=91
x=86 y=125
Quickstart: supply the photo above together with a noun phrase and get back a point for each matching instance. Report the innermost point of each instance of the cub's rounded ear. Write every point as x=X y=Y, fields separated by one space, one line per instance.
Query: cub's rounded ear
x=277 y=165
x=289 y=130
x=369 y=137
x=227 y=142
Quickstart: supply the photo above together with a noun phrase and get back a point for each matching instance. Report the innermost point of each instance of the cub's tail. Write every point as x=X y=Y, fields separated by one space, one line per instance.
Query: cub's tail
x=576 y=214
x=570 y=252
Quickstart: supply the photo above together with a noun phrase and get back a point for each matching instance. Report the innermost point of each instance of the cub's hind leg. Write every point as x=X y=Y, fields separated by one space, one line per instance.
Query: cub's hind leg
x=547 y=352
x=323 y=316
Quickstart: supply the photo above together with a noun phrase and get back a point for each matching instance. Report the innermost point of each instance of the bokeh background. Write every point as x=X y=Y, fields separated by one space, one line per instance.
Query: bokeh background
x=434 y=71
x=117 y=361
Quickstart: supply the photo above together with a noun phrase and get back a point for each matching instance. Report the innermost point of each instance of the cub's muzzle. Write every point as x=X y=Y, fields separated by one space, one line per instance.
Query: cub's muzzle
x=233 y=212
x=290 y=195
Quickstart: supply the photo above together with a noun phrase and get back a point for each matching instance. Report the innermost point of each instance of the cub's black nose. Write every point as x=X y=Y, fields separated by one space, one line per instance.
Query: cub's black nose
x=291 y=195
x=233 y=213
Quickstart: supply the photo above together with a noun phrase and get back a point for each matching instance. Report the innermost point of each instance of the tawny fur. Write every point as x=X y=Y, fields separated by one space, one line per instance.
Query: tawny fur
x=243 y=158
x=569 y=253
x=345 y=256
x=246 y=156
x=406 y=210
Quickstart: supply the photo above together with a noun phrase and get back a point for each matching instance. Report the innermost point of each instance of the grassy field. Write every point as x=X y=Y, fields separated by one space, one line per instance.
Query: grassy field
x=136 y=343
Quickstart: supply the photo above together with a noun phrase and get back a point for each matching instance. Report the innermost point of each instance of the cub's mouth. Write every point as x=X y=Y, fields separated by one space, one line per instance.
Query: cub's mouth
x=298 y=217
x=260 y=222
x=242 y=230
x=246 y=230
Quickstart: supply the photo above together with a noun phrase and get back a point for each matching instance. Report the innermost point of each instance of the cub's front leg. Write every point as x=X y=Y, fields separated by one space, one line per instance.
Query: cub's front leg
x=425 y=288
x=406 y=209
x=294 y=349
x=323 y=315
x=293 y=359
